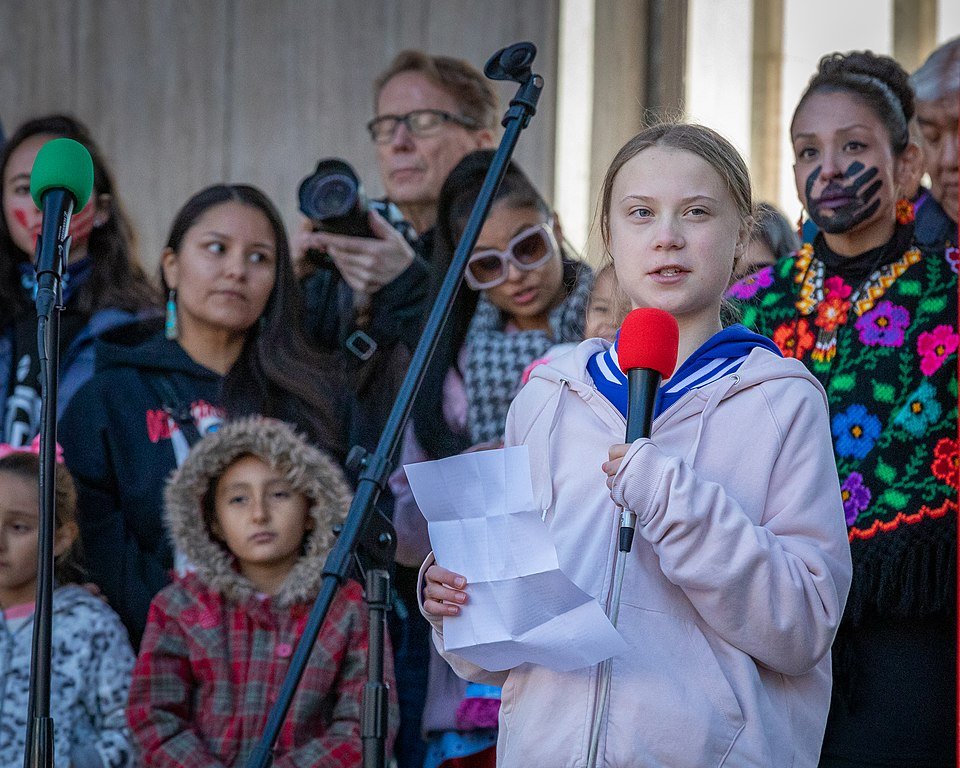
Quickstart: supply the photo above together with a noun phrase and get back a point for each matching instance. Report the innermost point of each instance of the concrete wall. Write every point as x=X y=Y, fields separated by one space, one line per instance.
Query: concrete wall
x=184 y=93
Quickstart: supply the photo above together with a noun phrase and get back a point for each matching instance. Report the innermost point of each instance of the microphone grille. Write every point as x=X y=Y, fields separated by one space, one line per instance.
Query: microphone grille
x=648 y=339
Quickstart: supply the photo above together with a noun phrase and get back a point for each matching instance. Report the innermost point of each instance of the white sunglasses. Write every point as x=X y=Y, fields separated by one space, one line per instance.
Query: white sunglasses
x=530 y=249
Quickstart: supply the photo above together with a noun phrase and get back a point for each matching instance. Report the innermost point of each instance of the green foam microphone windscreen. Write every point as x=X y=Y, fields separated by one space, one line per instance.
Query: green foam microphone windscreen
x=62 y=164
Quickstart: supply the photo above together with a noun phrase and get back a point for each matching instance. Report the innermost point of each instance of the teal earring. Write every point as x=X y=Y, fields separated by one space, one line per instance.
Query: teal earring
x=170 y=325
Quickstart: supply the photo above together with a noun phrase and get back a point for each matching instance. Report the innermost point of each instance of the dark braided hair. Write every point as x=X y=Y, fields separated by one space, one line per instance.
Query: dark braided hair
x=879 y=81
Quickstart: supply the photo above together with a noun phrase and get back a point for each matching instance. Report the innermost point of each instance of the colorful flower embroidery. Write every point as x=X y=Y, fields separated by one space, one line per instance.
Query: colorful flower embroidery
x=905 y=212
x=946 y=462
x=832 y=311
x=883 y=325
x=834 y=286
x=794 y=338
x=855 y=430
x=749 y=286
x=856 y=496
x=921 y=411
x=935 y=347
x=952 y=255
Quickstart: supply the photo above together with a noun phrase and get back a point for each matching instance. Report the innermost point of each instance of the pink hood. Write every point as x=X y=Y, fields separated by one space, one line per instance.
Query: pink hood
x=733 y=591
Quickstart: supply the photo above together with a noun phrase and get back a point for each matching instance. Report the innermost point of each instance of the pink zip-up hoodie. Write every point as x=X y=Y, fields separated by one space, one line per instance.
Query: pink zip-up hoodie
x=733 y=590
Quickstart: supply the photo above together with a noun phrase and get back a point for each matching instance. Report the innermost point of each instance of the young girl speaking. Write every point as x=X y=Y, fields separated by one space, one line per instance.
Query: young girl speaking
x=736 y=583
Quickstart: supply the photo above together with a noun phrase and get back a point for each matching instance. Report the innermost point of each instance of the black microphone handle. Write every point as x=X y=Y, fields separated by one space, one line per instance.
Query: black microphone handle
x=642 y=386
x=52 y=246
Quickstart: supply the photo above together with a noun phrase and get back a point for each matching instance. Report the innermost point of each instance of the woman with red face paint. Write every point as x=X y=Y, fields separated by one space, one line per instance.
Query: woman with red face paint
x=103 y=285
x=872 y=314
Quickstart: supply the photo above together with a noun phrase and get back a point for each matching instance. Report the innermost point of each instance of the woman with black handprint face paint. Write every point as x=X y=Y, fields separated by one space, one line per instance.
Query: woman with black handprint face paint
x=873 y=315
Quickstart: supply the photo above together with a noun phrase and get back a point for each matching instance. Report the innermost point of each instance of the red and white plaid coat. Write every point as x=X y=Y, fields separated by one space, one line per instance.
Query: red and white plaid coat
x=209 y=671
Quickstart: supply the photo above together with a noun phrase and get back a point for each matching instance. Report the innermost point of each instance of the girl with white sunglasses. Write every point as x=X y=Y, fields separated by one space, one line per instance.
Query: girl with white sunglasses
x=532 y=296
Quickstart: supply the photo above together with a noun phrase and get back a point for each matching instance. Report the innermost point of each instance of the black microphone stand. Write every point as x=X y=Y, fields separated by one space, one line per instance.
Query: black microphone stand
x=512 y=63
x=39 y=723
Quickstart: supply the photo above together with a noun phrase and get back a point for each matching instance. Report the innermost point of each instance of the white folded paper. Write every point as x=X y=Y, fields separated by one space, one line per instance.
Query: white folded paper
x=484 y=525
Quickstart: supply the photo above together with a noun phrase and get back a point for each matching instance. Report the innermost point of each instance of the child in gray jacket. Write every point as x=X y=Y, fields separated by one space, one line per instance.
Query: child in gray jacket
x=91 y=659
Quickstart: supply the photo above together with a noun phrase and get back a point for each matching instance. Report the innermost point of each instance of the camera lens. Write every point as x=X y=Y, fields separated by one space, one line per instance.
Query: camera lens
x=333 y=196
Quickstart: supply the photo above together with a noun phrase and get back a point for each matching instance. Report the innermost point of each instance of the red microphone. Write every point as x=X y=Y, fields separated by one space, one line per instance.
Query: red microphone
x=647 y=353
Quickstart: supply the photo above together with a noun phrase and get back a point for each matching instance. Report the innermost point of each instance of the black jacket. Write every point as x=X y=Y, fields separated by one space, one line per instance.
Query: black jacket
x=397 y=310
x=397 y=313
x=119 y=446
x=932 y=227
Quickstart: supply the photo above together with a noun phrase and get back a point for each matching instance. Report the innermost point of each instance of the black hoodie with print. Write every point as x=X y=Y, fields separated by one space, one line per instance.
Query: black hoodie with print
x=121 y=443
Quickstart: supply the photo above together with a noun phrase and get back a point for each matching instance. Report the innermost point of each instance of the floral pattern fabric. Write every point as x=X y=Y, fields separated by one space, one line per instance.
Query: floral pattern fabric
x=886 y=354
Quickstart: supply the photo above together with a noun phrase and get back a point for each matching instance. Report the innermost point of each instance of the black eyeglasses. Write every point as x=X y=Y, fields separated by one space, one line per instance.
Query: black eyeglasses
x=420 y=122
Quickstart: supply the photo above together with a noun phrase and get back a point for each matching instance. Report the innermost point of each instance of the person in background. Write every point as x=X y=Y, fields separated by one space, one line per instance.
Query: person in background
x=429 y=111
x=231 y=345
x=937 y=87
x=522 y=294
x=103 y=286
x=606 y=308
x=254 y=508
x=91 y=654
x=371 y=301
x=872 y=313
x=934 y=129
x=773 y=237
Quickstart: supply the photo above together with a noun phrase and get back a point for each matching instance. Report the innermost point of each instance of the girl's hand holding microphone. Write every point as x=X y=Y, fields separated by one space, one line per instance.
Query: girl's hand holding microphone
x=443 y=592
x=615 y=459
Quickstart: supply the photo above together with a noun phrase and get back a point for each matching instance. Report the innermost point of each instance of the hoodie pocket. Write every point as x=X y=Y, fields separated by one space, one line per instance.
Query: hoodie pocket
x=670 y=700
x=544 y=717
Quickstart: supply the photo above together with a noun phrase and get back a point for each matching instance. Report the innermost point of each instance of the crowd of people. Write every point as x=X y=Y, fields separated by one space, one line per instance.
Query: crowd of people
x=791 y=597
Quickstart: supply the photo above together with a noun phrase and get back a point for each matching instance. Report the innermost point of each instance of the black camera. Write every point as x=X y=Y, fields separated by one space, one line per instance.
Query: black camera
x=333 y=198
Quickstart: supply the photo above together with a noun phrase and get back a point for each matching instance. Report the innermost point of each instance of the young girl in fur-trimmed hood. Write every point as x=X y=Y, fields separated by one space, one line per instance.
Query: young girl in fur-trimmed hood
x=253 y=509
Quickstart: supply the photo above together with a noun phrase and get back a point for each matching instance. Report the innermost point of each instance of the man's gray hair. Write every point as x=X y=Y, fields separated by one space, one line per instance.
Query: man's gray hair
x=939 y=75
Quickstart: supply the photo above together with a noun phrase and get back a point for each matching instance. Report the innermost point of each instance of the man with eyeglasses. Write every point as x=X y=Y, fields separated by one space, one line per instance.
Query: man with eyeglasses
x=430 y=111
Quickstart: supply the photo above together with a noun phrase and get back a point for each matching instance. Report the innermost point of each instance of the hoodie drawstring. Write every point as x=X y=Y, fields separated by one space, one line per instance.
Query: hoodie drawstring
x=712 y=404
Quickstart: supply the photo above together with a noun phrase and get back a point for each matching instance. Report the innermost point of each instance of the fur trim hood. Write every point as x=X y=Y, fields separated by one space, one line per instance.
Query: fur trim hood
x=309 y=471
